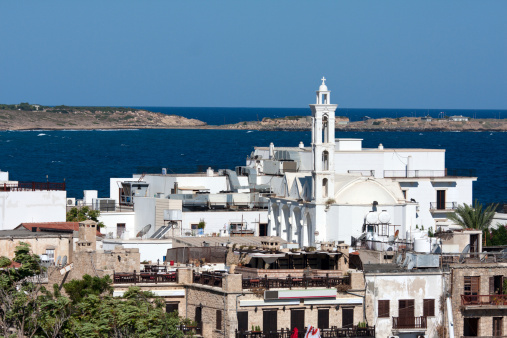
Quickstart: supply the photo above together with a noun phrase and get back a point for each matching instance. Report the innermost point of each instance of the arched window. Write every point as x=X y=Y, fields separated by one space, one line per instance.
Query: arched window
x=325 y=160
x=324 y=188
x=325 y=129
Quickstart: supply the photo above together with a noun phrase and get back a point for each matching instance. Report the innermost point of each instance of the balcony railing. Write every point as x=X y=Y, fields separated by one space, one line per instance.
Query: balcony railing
x=33 y=186
x=429 y=173
x=409 y=323
x=443 y=206
x=211 y=279
x=481 y=300
x=333 y=332
x=144 y=277
x=296 y=282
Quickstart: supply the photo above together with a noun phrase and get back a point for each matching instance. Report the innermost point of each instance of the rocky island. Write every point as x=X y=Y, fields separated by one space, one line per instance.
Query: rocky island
x=416 y=124
x=30 y=117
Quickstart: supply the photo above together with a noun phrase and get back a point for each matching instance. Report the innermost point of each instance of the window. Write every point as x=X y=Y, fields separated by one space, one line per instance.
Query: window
x=242 y=321
x=194 y=226
x=120 y=229
x=404 y=194
x=496 y=285
x=269 y=321
x=471 y=285
x=347 y=318
x=51 y=254
x=297 y=319
x=323 y=319
x=406 y=308
x=383 y=308
x=441 y=199
x=324 y=187
x=497 y=326
x=171 y=307
x=429 y=308
x=219 y=320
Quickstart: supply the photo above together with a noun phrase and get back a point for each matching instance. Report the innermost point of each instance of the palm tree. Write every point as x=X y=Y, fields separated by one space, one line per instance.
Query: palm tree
x=474 y=216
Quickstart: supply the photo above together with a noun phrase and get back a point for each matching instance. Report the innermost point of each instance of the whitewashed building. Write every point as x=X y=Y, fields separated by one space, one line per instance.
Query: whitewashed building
x=25 y=202
x=324 y=192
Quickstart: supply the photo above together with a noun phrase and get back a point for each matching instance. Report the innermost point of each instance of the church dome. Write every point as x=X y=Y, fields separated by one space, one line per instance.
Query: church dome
x=323 y=88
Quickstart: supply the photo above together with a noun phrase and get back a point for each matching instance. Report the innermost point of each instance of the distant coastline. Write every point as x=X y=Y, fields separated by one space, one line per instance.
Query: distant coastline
x=35 y=117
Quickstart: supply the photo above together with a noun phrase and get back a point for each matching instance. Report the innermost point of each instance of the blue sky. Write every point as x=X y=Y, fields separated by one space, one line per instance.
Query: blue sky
x=382 y=54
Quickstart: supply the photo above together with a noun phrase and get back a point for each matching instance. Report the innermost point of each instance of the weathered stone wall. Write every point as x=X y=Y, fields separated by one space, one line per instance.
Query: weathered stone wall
x=61 y=244
x=484 y=313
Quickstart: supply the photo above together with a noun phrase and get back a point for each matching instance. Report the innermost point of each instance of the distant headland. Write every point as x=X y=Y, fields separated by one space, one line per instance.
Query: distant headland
x=25 y=116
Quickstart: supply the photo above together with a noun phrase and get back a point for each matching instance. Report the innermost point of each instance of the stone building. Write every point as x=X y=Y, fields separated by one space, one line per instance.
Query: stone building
x=479 y=301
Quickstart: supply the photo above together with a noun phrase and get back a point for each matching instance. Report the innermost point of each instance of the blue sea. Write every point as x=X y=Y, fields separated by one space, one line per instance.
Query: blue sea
x=87 y=159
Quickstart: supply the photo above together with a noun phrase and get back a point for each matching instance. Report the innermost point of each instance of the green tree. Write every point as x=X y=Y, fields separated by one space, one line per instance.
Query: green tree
x=474 y=217
x=83 y=214
x=19 y=291
x=498 y=235
x=79 y=289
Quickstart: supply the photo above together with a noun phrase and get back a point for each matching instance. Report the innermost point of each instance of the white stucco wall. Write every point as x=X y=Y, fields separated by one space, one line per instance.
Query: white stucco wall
x=31 y=206
x=111 y=219
x=150 y=250
x=393 y=287
x=218 y=221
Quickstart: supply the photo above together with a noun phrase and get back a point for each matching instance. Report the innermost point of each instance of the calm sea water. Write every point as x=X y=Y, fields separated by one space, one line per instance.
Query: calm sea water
x=87 y=159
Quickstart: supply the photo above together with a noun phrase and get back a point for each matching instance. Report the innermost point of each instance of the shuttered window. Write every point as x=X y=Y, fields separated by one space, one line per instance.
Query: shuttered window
x=429 y=307
x=406 y=308
x=471 y=285
x=243 y=321
x=383 y=308
x=347 y=318
x=297 y=319
x=269 y=321
x=497 y=326
x=219 y=320
x=323 y=319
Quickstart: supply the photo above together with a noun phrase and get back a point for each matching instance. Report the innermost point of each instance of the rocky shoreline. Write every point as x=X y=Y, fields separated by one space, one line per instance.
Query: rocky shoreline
x=79 y=118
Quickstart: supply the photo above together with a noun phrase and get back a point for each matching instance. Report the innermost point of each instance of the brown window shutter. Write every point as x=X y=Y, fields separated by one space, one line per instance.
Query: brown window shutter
x=242 y=321
x=383 y=308
x=429 y=307
x=323 y=319
x=491 y=285
x=219 y=320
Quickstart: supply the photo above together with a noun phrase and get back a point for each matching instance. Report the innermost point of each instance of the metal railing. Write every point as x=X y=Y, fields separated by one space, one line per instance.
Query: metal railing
x=409 y=322
x=362 y=172
x=104 y=207
x=210 y=279
x=333 y=332
x=297 y=282
x=480 y=300
x=144 y=277
x=443 y=206
x=190 y=330
x=33 y=186
x=430 y=173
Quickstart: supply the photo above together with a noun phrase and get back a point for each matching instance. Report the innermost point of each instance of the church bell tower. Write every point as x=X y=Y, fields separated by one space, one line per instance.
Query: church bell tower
x=323 y=143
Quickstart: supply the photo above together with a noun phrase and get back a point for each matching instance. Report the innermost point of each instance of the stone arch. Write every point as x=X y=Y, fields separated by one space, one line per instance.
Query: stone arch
x=325 y=188
x=325 y=160
x=325 y=129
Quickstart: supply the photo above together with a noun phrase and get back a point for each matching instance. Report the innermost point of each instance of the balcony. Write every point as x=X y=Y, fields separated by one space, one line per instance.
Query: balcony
x=295 y=282
x=447 y=206
x=408 y=323
x=489 y=301
x=429 y=173
x=33 y=186
x=333 y=332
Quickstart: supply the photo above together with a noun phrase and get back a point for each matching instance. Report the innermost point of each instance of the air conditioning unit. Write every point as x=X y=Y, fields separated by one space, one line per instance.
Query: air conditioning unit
x=103 y=204
x=71 y=202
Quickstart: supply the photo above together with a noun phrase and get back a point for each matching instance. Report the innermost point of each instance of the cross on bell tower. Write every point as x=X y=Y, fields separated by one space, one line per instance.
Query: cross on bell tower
x=323 y=144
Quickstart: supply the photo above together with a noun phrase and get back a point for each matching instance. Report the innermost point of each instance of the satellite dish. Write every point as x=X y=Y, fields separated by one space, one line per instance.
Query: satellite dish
x=398 y=259
x=384 y=217
x=144 y=231
x=390 y=248
x=64 y=260
x=372 y=217
x=437 y=249
x=363 y=236
x=463 y=253
x=410 y=265
x=504 y=254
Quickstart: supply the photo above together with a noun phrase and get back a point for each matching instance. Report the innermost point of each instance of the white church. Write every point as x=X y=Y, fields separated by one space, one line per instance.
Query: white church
x=326 y=192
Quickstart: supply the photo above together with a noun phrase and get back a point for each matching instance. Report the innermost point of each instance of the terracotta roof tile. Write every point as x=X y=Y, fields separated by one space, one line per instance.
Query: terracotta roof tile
x=55 y=226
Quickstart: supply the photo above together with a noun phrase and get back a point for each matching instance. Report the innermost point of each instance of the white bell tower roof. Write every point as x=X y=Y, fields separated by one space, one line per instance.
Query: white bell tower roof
x=323 y=87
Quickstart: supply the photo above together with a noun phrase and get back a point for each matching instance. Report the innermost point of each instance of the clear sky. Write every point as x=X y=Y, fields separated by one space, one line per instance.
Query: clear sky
x=375 y=54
